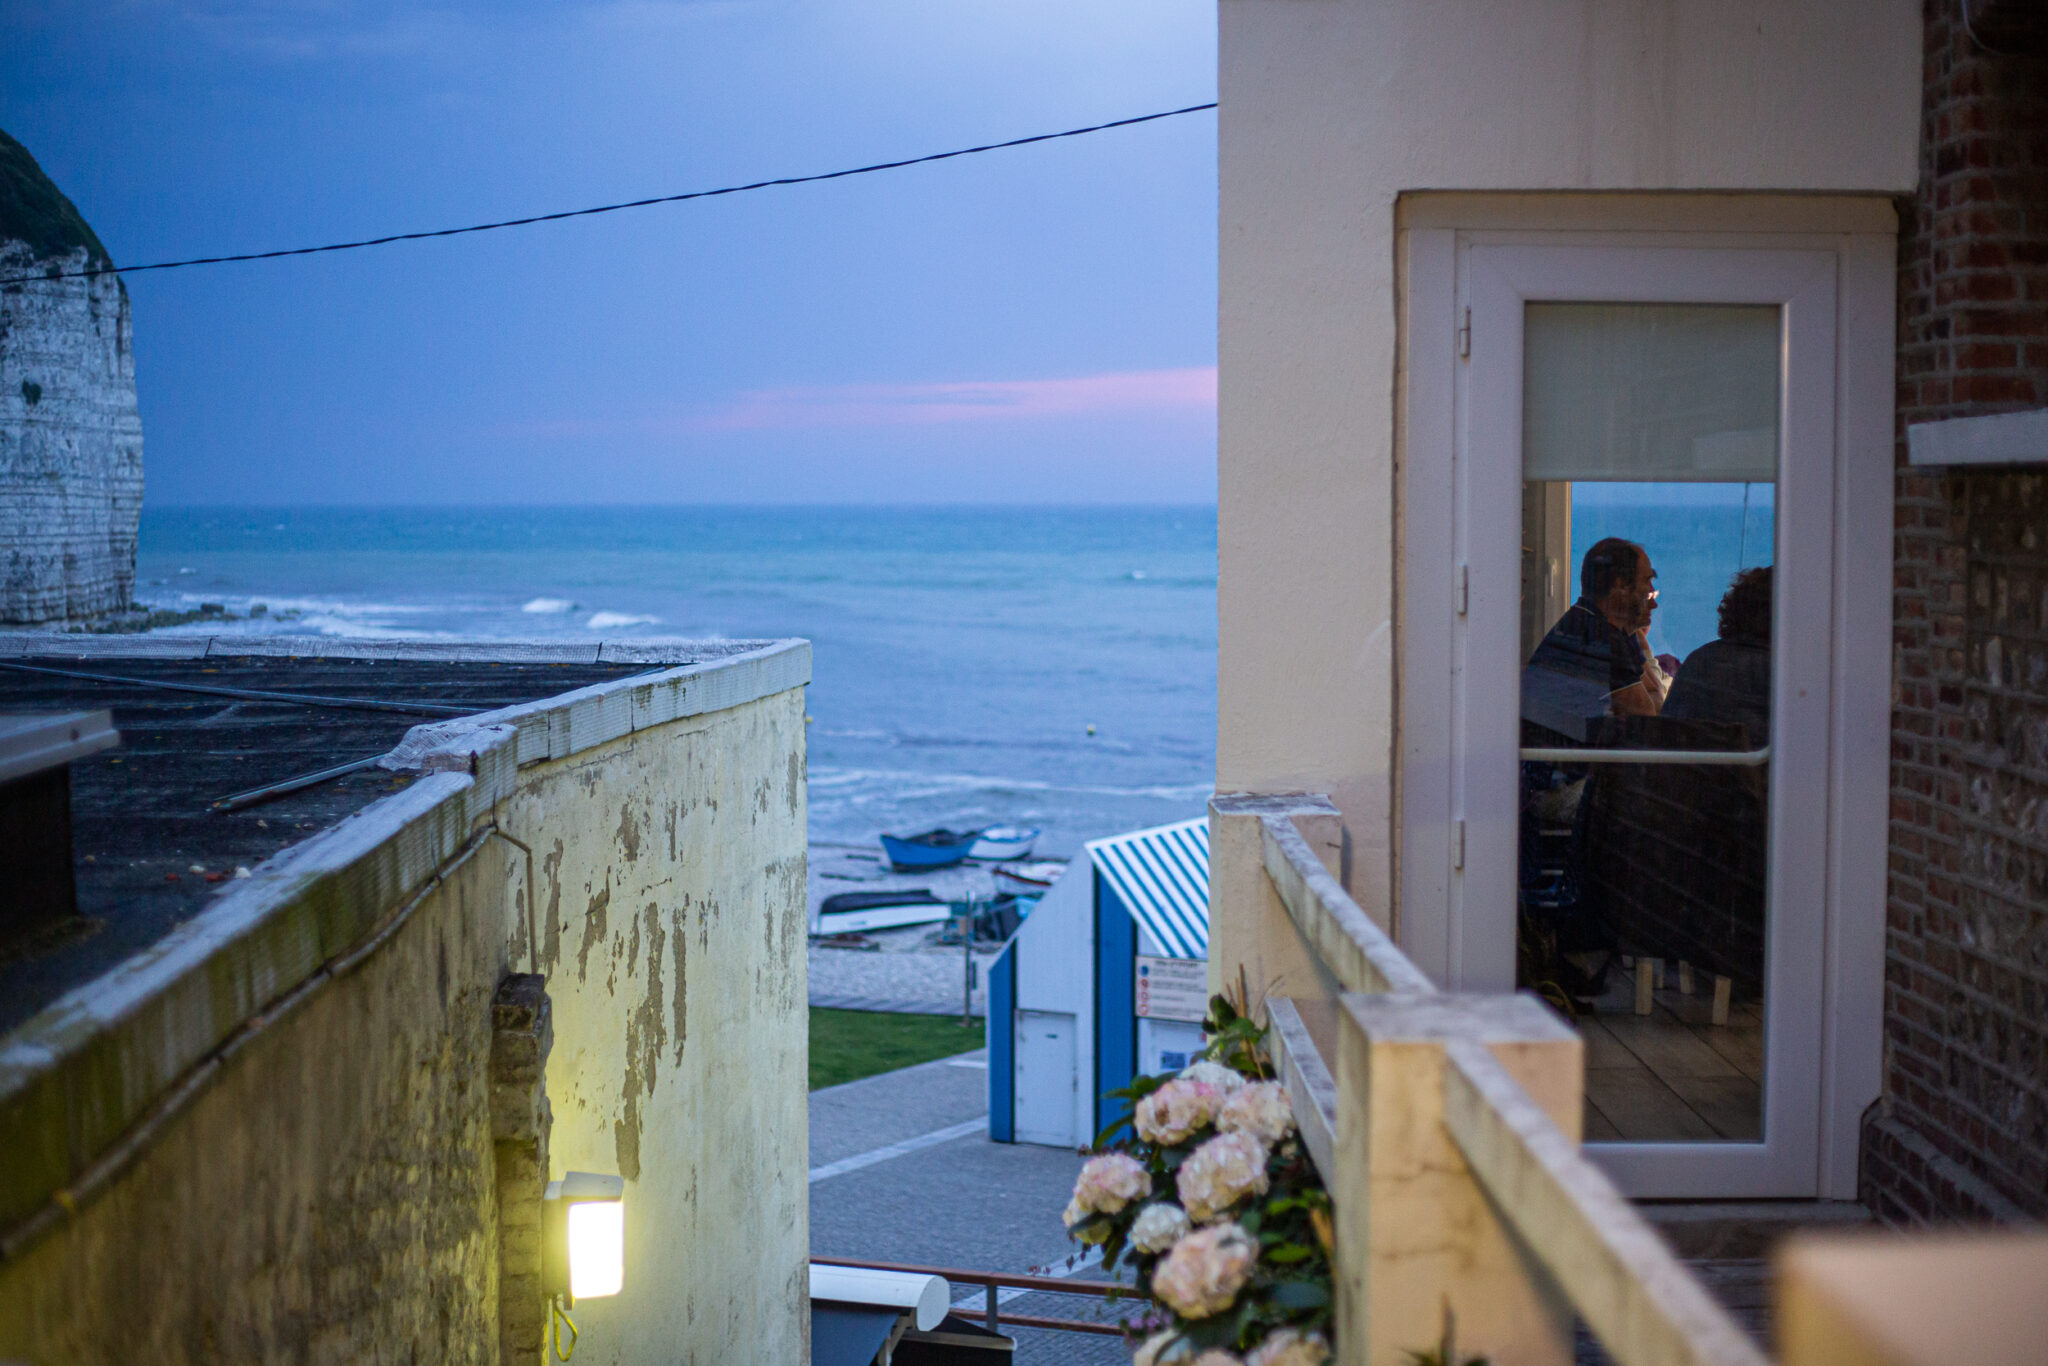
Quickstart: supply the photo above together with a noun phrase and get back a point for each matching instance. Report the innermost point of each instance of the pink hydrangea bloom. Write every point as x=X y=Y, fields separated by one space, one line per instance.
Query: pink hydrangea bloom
x=1106 y=1184
x=1220 y=1173
x=1203 y=1273
x=1261 y=1110
x=1176 y=1111
x=1290 y=1347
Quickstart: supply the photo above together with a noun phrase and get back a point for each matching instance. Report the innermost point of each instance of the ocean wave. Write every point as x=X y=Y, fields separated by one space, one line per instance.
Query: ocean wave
x=846 y=784
x=549 y=605
x=613 y=621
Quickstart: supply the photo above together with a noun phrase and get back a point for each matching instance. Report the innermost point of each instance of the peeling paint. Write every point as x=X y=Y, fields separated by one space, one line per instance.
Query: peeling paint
x=551 y=945
x=593 y=927
x=629 y=833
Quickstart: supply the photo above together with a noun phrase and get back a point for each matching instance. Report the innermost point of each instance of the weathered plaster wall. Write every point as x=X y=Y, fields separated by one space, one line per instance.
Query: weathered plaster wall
x=328 y=1192
x=1329 y=112
x=328 y=1198
x=671 y=927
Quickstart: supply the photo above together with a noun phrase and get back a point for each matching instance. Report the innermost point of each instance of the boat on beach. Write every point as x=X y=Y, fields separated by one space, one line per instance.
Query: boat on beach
x=1034 y=880
x=849 y=912
x=999 y=843
x=939 y=848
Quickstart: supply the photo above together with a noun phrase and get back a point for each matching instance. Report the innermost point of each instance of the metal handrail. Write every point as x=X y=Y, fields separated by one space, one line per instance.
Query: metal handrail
x=994 y=1280
x=1706 y=758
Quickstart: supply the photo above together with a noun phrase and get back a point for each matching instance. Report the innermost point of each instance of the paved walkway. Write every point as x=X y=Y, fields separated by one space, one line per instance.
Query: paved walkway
x=902 y=1170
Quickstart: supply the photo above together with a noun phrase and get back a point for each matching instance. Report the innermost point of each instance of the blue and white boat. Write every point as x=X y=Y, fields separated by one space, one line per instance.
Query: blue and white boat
x=1003 y=842
x=940 y=848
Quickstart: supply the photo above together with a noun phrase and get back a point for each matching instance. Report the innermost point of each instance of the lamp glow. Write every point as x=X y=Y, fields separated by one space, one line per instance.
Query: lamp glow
x=583 y=1237
x=597 y=1248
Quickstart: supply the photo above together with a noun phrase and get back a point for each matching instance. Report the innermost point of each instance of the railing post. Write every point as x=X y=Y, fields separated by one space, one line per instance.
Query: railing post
x=1249 y=928
x=1415 y=1232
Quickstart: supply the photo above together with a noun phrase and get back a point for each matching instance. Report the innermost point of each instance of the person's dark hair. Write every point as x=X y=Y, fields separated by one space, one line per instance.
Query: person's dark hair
x=1609 y=562
x=1746 y=607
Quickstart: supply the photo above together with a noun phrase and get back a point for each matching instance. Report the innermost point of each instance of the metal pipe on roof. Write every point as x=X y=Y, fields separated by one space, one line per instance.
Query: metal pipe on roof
x=256 y=796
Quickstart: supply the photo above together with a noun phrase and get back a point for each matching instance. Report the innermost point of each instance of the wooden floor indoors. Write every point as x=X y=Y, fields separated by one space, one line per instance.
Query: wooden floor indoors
x=1672 y=1074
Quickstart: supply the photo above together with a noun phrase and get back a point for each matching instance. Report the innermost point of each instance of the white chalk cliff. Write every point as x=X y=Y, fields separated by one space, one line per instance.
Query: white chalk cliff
x=70 y=434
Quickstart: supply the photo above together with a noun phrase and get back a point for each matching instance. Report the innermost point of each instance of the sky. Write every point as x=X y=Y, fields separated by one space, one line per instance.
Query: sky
x=1031 y=325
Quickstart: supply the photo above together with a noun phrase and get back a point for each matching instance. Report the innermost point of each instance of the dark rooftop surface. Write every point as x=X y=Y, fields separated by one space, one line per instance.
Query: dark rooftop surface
x=149 y=850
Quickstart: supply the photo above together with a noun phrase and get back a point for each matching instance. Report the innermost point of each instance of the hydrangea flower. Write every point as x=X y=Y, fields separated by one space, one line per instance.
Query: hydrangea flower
x=1106 y=1184
x=1261 y=1110
x=1158 y=1227
x=1176 y=1111
x=1203 y=1273
x=1290 y=1347
x=1220 y=1173
x=1226 y=1080
x=1164 y=1348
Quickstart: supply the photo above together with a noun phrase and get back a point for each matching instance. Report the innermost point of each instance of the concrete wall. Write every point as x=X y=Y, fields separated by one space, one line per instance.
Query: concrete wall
x=320 y=1187
x=671 y=871
x=1332 y=110
x=328 y=1198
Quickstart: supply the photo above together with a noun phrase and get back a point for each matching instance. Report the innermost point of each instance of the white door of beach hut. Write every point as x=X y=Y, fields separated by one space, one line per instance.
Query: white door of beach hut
x=1046 y=1077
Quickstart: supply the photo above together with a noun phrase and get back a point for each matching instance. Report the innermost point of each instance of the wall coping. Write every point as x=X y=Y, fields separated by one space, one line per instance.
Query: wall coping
x=77 y=1076
x=643 y=650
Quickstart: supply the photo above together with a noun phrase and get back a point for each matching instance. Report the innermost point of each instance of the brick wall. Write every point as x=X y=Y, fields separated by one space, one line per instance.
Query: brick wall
x=1962 y=1129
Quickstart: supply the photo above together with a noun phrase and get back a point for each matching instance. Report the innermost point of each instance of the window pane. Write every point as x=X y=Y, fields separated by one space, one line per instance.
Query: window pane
x=1648 y=527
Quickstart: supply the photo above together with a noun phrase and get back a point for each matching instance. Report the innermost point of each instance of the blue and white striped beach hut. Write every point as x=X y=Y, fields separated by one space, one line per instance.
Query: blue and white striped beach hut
x=1106 y=979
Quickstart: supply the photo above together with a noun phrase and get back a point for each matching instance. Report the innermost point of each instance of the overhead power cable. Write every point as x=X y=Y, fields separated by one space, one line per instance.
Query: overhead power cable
x=609 y=208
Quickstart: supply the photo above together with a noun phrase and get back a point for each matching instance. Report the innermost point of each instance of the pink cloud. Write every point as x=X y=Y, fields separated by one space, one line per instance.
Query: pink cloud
x=1189 y=389
x=919 y=405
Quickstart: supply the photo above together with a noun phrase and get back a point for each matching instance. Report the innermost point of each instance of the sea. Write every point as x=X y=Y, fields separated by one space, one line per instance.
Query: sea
x=972 y=666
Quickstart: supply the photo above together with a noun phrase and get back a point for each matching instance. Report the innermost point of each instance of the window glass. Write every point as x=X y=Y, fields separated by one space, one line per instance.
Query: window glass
x=1649 y=517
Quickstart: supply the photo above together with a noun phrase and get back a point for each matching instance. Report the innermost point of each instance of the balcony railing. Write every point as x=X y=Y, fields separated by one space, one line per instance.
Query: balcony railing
x=1448 y=1129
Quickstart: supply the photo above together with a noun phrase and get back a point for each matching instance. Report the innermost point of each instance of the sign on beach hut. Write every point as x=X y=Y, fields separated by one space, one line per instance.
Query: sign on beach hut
x=1108 y=978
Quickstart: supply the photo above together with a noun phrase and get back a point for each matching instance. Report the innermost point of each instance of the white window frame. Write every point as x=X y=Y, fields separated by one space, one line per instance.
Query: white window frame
x=1837 y=289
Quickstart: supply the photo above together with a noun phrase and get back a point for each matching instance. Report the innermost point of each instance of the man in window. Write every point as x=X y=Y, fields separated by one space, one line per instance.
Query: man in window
x=1596 y=661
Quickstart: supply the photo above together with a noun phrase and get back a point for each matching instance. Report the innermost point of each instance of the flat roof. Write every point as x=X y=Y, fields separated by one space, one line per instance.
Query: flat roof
x=149 y=847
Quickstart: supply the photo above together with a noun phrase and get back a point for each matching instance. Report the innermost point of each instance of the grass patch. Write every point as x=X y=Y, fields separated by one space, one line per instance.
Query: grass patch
x=847 y=1045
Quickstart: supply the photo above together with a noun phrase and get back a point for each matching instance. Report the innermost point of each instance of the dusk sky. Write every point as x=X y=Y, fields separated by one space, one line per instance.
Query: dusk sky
x=1032 y=325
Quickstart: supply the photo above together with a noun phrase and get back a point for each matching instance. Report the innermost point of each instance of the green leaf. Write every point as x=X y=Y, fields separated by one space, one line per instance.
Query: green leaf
x=1299 y=1295
x=1288 y=1253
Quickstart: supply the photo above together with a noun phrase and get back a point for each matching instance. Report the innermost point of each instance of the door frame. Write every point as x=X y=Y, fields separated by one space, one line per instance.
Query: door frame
x=1843 y=955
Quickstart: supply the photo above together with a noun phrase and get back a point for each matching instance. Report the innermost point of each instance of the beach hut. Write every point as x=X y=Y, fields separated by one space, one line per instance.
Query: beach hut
x=1107 y=978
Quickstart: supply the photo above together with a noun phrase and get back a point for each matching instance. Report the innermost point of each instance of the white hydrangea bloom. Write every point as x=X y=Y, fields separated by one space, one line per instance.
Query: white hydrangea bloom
x=1290 y=1347
x=1203 y=1273
x=1176 y=1111
x=1220 y=1173
x=1158 y=1227
x=1164 y=1348
x=1226 y=1080
x=1261 y=1110
x=1106 y=1184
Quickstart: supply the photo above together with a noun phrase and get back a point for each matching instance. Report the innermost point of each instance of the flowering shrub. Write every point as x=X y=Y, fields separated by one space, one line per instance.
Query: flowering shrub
x=1233 y=1247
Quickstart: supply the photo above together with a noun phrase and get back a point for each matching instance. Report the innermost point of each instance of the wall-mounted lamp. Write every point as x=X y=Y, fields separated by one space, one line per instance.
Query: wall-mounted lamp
x=583 y=1223
x=585 y=1220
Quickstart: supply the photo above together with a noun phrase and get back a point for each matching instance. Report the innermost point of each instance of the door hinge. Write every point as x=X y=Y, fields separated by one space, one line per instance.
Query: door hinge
x=1465 y=337
x=1458 y=845
x=1462 y=589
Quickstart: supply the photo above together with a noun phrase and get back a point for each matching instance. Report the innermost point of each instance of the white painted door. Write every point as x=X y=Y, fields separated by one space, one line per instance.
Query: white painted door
x=1678 y=406
x=1047 y=1078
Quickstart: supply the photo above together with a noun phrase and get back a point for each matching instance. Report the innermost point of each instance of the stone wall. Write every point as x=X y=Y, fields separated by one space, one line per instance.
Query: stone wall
x=1962 y=1129
x=70 y=433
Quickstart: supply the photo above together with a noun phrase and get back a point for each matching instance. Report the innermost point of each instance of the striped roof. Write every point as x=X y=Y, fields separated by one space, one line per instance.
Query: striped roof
x=1162 y=877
